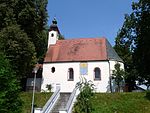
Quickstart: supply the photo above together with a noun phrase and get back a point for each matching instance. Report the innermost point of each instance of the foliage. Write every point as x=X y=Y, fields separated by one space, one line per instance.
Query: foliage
x=124 y=47
x=61 y=37
x=132 y=42
x=49 y=87
x=23 y=34
x=40 y=100
x=83 y=104
x=118 y=75
x=18 y=49
x=32 y=15
x=142 y=42
x=10 y=101
x=7 y=13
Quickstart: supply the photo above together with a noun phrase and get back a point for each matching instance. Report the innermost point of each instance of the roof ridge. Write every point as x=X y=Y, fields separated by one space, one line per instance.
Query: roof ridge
x=76 y=39
x=84 y=38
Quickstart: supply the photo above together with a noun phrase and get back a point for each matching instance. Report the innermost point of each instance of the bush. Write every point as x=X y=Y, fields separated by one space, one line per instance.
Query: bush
x=83 y=104
x=49 y=87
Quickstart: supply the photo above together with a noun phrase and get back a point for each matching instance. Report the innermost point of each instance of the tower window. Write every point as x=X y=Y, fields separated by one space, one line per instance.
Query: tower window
x=52 y=35
x=71 y=74
x=53 y=69
x=97 y=74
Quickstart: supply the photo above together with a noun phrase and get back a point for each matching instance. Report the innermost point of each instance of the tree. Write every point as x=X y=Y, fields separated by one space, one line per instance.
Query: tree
x=23 y=33
x=142 y=42
x=32 y=15
x=19 y=50
x=118 y=75
x=124 y=45
x=10 y=101
x=132 y=42
x=7 y=13
x=83 y=104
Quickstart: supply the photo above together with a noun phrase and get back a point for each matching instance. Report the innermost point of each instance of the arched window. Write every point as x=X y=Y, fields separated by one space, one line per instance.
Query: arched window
x=97 y=74
x=71 y=74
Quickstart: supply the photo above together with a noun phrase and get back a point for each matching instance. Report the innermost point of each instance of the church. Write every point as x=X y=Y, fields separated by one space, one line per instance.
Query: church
x=67 y=61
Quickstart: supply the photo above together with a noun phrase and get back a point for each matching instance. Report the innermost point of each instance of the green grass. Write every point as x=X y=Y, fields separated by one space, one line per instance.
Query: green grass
x=40 y=100
x=102 y=102
x=121 y=103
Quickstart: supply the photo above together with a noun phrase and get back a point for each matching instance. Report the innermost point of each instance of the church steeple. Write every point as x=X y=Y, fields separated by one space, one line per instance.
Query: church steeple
x=53 y=33
x=53 y=26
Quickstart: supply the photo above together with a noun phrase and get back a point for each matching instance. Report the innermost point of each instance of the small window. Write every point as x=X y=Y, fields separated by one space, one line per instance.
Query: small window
x=97 y=74
x=52 y=34
x=71 y=74
x=53 y=69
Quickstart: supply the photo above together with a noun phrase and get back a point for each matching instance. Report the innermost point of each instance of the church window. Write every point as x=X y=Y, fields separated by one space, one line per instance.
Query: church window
x=71 y=74
x=97 y=74
x=53 y=69
x=52 y=34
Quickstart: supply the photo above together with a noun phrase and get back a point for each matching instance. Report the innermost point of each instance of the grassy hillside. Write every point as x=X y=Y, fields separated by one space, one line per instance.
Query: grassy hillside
x=102 y=102
x=121 y=103
x=40 y=100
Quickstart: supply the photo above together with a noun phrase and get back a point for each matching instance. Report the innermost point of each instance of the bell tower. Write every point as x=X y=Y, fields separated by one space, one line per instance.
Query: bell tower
x=53 y=34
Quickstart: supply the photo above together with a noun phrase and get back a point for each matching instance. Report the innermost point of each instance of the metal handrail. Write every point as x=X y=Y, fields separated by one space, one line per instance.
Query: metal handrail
x=70 y=101
x=48 y=106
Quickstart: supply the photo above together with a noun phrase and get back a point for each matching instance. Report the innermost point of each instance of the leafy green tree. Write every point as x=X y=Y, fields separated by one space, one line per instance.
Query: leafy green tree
x=18 y=49
x=23 y=33
x=7 y=13
x=32 y=15
x=118 y=75
x=124 y=45
x=142 y=42
x=132 y=43
x=10 y=101
x=41 y=26
x=83 y=104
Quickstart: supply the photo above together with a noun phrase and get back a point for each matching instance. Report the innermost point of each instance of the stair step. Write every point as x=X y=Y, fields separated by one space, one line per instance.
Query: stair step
x=61 y=103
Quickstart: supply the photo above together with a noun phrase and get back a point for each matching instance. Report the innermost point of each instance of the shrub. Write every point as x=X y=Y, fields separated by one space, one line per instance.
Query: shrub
x=83 y=104
x=49 y=87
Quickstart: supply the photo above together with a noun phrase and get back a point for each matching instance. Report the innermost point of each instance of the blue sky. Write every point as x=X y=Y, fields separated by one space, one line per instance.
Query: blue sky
x=89 y=18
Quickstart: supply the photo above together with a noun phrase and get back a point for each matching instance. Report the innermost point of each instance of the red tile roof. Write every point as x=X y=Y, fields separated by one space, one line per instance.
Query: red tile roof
x=83 y=49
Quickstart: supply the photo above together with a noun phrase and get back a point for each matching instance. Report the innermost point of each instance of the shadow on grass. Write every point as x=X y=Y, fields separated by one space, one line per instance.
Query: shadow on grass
x=147 y=95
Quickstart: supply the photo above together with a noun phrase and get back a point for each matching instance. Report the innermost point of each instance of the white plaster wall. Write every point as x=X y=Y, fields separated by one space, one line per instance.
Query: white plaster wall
x=60 y=76
x=52 y=40
x=101 y=85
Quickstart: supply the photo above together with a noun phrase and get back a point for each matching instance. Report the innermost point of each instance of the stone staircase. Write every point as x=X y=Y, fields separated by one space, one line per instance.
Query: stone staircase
x=61 y=103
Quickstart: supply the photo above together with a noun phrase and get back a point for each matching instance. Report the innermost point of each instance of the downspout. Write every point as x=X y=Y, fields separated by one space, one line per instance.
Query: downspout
x=110 y=77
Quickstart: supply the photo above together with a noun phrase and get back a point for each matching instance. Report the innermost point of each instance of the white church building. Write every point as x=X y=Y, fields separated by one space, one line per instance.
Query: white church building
x=66 y=61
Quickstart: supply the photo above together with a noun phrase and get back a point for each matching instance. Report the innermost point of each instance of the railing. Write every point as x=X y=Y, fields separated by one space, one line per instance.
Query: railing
x=51 y=102
x=70 y=102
